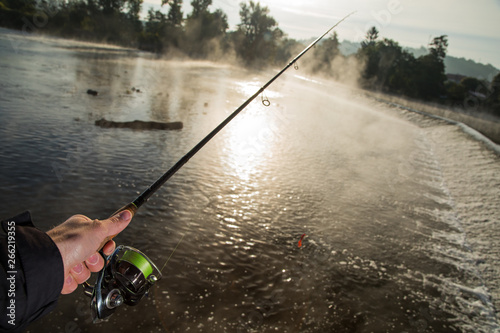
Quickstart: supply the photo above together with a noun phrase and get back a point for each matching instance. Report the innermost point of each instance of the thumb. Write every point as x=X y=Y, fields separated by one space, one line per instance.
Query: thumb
x=115 y=224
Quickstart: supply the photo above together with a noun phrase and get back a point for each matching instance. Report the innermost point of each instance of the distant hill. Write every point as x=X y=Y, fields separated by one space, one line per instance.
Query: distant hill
x=453 y=65
x=469 y=67
x=462 y=66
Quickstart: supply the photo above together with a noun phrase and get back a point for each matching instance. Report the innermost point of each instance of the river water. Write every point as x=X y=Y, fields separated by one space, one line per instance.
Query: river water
x=400 y=211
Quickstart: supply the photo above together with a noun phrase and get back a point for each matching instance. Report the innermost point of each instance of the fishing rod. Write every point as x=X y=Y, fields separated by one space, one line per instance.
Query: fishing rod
x=128 y=273
x=144 y=196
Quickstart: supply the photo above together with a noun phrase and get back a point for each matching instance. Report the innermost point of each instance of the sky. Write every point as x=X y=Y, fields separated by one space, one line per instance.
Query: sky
x=473 y=27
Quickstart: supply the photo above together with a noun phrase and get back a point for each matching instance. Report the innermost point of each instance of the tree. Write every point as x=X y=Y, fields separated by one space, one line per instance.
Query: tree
x=152 y=38
x=401 y=74
x=21 y=5
x=204 y=29
x=495 y=87
x=109 y=7
x=438 y=47
x=173 y=35
x=200 y=7
x=175 y=15
x=429 y=77
x=455 y=93
x=218 y=24
x=493 y=99
x=371 y=37
x=430 y=72
x=157 y=22
x=13 y=13
x=471 y=84
x=134 y=9
x=325 y=53
x=257 y=35
x=287 y=48
x=369 y=55
x=387 y=66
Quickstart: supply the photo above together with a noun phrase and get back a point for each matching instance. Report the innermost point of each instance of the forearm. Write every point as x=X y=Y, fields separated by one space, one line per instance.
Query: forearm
x=31 y=273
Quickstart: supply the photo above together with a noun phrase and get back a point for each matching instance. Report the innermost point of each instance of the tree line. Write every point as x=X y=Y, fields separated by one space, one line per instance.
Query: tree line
x=382 y=64
x=390 y=68
x=197 y=34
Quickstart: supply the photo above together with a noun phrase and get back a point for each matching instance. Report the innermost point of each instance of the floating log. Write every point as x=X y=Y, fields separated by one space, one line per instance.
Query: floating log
x=139 y=124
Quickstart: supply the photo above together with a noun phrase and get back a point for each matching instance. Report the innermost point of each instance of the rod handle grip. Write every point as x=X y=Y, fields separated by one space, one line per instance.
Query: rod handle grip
x=130 y=206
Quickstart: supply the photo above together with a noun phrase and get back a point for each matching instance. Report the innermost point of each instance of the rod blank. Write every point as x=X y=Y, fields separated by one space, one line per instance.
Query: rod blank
x=144 y=196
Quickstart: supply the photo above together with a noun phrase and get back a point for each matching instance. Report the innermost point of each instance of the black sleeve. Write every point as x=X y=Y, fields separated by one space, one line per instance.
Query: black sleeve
x=31 y=274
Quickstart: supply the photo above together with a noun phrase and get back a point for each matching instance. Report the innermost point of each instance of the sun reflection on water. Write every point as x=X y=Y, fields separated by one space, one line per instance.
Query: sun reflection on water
x=252 y=136
x=245 y=148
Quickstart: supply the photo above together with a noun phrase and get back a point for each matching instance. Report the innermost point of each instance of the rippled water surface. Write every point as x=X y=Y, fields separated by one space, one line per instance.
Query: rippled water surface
x=400 y=212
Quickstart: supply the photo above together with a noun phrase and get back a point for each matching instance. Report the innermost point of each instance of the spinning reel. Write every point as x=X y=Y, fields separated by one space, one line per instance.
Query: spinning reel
x=125 y=279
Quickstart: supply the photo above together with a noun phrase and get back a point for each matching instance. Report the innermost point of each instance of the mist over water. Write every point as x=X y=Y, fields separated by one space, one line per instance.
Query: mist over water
x=400 y=211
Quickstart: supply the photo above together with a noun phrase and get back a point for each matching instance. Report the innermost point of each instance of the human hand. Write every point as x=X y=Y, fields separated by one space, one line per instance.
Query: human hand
x=79 y=239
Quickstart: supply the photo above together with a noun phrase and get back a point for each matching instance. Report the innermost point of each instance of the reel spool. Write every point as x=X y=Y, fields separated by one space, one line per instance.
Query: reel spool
x=125 y=279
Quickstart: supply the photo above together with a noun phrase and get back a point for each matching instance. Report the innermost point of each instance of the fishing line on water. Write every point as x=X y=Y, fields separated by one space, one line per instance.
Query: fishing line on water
x=171 y=254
